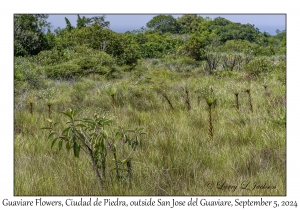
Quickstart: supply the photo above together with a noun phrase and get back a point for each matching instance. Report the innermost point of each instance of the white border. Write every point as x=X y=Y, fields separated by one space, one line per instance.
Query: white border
x=150 y=7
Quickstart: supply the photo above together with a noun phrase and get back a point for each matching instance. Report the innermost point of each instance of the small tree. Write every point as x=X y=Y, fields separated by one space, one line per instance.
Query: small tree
x=164 y=24
x=189 y=23
x=91 y=135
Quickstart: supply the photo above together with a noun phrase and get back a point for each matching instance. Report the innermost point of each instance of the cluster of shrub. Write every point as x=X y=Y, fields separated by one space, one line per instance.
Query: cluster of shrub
x=183 y=44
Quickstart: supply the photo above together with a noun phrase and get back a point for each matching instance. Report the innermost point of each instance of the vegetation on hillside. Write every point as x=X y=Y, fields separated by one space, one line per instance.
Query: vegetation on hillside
x=178 y=107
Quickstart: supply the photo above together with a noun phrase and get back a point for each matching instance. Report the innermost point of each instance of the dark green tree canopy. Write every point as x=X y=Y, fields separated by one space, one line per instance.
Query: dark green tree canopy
x=228 y=30
x=189 y=23
x=37 y=22
x=164 y=24
x=29 y=37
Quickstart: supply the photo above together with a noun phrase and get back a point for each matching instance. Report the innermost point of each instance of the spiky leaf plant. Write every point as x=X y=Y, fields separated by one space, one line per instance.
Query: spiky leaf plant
x=210 y=99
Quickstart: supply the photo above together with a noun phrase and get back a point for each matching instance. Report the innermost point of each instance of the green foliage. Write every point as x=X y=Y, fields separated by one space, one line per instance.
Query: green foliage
x=209 y=95
x=189 y=23
x=29 y=38
x=196 y=44
x=280 y=71
x=117 y=83
x=237 y=46
x=25 y=73
x=100 y=63
x=50 y=57
x=281 y=37
x=177 y=133
x=79 y=61
x=164 y=24
x=281 y=120
x=69 y=26
x=96 y=60
x=252 y=49
x=231 y=61
x=228 y=30
x=258 y=66
x=84 y=21
x=155 y=45
x=92 y=135
x=51 y=39
x=123 y=47
x=65 y=70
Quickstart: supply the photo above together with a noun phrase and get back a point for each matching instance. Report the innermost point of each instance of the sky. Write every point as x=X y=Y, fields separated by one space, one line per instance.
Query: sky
x=128 y=22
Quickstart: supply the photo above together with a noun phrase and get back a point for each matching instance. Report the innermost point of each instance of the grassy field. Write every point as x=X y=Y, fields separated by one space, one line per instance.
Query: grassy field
x=178 y=156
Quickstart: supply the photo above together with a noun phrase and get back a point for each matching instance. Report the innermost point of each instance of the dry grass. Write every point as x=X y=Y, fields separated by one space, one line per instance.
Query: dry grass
x=176 y=157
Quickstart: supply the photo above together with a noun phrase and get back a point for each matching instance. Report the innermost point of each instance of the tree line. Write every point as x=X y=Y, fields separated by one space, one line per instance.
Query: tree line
x=91 y=46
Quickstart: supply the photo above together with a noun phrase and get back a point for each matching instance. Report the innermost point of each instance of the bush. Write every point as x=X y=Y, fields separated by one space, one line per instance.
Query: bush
x=280 y=72
x=79 y=61
x=50 y=57
x=57 y=55
x=64 y=71
x=157 y=45
x=25 y=72
x=102 y=70
x=116 y=72
x=258 y=66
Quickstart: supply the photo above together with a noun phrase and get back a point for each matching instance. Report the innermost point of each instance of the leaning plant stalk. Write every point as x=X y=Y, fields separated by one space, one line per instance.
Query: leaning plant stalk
x=249 y=99
x=237 y=100
x=98 y=175
x=49 y=110
x=169 y=102
x=187 y=100
x=31 y=107
x=129 y=170
x=113 y=100
x=90 y=152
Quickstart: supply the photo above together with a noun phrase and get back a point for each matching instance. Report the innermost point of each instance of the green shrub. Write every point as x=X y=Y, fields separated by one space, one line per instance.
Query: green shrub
x=280 y=72
x=104 y=59
x=50 y=57
x=97 y=63
x=85 y=63
x=102 y=70
x=116 y=72
x=78 y=63
x=109 y=151
x=64 y=71
x=258 y=66
x=25 y=72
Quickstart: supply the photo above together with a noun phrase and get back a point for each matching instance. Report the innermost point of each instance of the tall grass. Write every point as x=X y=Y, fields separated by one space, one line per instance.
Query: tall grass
x=175 y=157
